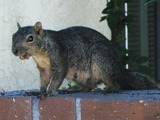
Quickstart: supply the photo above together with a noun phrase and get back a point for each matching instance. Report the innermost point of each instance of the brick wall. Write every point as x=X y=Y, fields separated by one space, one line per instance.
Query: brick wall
x=130 y=105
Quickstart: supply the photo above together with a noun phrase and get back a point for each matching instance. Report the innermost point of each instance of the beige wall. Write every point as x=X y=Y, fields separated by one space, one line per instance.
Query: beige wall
x=54 y=14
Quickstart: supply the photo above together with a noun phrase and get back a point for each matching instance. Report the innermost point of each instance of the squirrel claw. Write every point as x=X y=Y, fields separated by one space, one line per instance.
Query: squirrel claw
x=42 y=96
x=111 y=90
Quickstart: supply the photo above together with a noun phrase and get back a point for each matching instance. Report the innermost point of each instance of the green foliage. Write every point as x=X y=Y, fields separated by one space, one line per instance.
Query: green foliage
x=114 y=14
x=72 y=85
x=149 y=1
x=138 y=63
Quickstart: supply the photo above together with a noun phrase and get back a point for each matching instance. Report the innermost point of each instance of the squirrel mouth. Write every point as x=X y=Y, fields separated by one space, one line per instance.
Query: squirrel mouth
x=23 y=57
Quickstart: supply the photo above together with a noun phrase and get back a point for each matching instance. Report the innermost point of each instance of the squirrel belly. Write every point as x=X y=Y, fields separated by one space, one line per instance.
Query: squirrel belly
x=78 y=53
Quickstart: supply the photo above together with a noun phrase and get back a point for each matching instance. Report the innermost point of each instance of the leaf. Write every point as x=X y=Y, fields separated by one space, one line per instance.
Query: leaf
x=145 y=70
x=105 y=11
x=71 y=84
x=113 y=20
x=149 y=1
x=120 y=3
x=142 y=59
x=103 y=18
x=129 y=18
x=128 y=1
x=110 y=5
x=133 y=66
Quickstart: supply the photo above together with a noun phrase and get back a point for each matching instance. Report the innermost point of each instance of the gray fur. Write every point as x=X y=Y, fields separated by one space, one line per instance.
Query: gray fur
x=79 y=53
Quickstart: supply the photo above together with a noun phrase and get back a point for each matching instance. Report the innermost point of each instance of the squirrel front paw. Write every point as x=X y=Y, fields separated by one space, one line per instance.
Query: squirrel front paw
x=45 y=93
x=50 y=92
x=42 y=96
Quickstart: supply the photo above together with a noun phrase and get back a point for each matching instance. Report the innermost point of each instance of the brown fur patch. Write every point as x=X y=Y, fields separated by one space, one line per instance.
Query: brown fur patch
x=42 y=59
x=96 y=71
x=88 y=78
x=43 y=62
x=78 y=76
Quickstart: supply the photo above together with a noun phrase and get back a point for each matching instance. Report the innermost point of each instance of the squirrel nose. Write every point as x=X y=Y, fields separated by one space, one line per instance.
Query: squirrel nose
x=15 y=51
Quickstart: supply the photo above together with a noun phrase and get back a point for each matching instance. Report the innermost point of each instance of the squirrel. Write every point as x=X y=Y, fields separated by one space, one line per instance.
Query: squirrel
x=78 y=53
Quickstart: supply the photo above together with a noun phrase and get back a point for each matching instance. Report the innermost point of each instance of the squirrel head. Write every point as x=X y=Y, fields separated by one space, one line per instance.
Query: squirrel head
x=27 y=41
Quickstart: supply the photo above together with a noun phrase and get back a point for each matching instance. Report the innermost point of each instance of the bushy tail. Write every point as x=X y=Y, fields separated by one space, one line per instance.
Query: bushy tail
x=138 y=81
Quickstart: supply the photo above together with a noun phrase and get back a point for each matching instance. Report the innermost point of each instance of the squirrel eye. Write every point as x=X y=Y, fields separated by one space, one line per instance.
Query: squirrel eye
x=30 y=39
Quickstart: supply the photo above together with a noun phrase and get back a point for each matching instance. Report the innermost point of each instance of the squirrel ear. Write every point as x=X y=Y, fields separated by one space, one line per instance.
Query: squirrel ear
x=38 y=28
x=18 y=25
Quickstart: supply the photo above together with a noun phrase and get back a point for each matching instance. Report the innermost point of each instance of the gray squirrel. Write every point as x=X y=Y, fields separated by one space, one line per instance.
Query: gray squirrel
x=77 y=53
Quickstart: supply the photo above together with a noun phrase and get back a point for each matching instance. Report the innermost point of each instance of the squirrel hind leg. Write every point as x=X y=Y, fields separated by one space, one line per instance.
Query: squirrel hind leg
x=86 y=89
x=111 y=86
x=111 y=89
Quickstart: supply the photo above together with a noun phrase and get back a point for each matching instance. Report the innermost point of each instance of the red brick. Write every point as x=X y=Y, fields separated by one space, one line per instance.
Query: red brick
x=53 y=108
x=120 y=110
x=15 y=108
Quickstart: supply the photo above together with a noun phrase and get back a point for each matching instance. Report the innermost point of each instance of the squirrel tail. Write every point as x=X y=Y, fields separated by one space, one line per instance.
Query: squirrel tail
x=138 y=81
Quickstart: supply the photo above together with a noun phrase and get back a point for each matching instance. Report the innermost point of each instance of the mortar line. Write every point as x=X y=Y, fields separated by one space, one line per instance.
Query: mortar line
x=35 y=109
x=78 y=109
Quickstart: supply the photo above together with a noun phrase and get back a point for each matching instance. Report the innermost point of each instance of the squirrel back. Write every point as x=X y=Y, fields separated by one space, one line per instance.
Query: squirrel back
x=78 y=53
